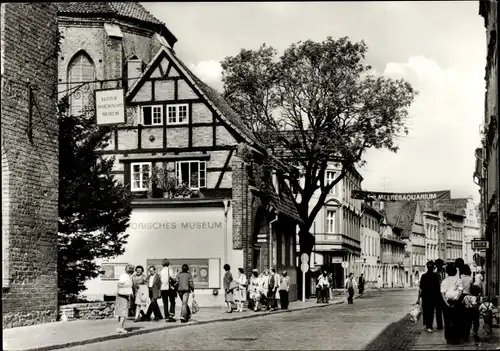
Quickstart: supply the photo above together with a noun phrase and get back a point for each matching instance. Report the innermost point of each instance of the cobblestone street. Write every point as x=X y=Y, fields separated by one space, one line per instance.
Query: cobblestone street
x=346 y=327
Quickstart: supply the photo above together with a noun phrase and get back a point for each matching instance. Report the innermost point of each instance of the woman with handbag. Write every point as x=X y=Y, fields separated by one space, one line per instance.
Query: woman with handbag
x=140 y=298
x=241 y=292
x=123 y=297
x=229 y=286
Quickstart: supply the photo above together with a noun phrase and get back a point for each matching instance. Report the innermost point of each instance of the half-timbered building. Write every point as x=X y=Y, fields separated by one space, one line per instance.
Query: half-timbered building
x=199 y=192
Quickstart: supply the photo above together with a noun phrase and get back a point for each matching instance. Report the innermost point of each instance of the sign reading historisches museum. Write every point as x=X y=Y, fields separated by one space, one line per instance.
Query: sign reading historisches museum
x=109 y=107
x=429 y=195
x=173 y=225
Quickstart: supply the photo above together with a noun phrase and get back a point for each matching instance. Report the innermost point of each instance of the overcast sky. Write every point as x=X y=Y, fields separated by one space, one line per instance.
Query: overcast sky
x=439 y=47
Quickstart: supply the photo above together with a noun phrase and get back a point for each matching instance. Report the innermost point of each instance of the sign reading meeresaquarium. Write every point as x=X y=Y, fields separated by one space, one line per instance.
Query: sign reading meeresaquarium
x=109 y=107
x=429 y=195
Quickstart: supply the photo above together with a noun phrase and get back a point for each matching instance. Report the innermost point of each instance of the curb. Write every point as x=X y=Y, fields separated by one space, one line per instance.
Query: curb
x=165 y=327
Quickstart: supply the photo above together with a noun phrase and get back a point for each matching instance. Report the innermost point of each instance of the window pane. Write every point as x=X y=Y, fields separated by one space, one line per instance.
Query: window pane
x=157 y=115
x=194 y=175
x=146 y=115
x=182 y=113
x=203 y=175
x=184 y=172
x=172 y=114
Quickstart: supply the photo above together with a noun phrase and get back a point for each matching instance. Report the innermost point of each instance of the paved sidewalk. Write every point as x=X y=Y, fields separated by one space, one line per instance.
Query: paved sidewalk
x=59 y=335
x=436 y=341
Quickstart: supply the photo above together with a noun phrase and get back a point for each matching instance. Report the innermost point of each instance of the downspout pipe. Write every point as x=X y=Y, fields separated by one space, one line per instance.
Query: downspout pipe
x=271 y=241
x=227 y=203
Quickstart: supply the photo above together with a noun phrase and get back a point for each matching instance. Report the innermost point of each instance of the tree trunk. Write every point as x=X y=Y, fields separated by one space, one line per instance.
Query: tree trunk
x=306 y=241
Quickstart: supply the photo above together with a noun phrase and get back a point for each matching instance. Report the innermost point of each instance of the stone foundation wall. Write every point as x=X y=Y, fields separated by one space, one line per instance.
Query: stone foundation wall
x=93 y=310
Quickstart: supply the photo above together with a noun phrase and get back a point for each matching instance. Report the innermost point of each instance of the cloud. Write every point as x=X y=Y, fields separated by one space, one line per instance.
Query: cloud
x=444 y=120
x=209 y=72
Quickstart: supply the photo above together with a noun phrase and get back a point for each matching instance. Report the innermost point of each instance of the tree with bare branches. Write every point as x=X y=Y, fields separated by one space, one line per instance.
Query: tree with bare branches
x=316 y=103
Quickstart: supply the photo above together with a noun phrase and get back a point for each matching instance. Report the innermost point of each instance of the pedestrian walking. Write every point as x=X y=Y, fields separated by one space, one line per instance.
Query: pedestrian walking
x=168 y=290
x=254 y=289
x=264 y=288
x=379 y=283
x=186 y=287
x=451 y=291
x=274 y=284
x=284 y=289
x=154 y=285
x=361 y=284
x=428 y=295
x=322 y=288
x=439 y=263
x=466 y=321
x=330 y=282
x=139 y=288
x=471 y=304
x=228 y=279
x=124 y=294
x=241 y=292
x=350 y=285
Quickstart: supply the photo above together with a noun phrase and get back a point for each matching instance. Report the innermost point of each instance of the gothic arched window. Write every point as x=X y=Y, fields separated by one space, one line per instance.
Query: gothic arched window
x=81 y=69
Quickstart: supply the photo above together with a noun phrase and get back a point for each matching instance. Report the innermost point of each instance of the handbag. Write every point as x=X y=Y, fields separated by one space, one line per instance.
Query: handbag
x=194 y=307
x=233 y=285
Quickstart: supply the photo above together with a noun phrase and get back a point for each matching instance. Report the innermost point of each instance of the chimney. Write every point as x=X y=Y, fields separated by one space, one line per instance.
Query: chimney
x=134 y=71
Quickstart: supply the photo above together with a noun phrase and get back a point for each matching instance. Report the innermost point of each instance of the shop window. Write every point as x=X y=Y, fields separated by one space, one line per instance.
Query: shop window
x=177 y=114
x=141 y=174
x=191 y=173
x=152 y=115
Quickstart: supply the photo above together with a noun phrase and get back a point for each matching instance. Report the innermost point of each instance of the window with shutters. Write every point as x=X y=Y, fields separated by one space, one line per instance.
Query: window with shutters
x=152 y=115
x=80 y=70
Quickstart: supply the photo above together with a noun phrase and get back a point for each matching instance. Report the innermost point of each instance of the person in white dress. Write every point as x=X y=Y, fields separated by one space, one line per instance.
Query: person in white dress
x=254 y=289
x=379 y=283
x=241 y=294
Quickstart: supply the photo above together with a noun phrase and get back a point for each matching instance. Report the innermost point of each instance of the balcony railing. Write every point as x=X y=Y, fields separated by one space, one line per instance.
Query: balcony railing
x=327 y=238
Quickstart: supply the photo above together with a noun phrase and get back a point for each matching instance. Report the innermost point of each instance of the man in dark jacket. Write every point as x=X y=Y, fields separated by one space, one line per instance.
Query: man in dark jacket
x=361 y=284
x=186 y=286
x=154 y=284
x=429 y=293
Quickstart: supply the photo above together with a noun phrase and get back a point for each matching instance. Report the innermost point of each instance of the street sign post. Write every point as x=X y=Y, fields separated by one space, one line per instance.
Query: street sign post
x=345 y=264
x=480 y=244
x=304 y=267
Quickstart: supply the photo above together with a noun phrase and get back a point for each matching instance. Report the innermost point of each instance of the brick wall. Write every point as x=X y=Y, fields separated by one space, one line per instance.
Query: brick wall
x=29 y=168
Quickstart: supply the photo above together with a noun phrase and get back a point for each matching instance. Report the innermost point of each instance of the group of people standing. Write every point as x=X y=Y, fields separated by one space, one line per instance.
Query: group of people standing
x=136 y=290
x=266 y=289
x=451 y=293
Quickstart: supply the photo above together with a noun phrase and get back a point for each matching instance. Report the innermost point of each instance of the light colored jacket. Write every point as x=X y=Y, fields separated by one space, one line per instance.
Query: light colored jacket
x=352 y=283
x=165 y=274
x=323 y=282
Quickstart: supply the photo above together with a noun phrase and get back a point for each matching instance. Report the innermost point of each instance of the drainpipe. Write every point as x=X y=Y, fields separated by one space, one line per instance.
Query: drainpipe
x=227 y=203
x=271 y=241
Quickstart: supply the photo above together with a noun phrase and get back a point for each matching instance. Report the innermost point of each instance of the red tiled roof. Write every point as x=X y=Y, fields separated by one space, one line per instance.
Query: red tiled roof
x=132 y=10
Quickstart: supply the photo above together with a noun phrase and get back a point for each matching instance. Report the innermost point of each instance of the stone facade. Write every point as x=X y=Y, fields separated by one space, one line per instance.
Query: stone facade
x=29 y=163
x=487 y=155
x=92 y=310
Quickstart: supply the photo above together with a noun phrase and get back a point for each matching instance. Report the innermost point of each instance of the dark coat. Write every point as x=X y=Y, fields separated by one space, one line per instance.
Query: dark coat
x=155 y=290
x=228 y=278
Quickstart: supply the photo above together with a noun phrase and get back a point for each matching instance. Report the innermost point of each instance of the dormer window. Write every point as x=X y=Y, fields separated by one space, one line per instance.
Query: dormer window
x=152 y=115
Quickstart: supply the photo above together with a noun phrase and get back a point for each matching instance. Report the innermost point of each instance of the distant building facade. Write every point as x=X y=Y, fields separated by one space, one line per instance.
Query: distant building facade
x=371 y=228
x=471 y=232
x=486 y=172
x=337 y=227
x=434 y=249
